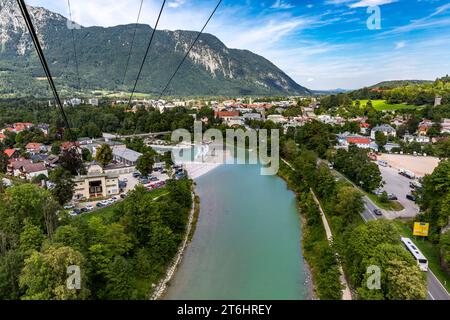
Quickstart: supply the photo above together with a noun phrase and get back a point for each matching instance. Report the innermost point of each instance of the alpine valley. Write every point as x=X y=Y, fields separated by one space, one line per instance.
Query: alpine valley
x=211 y=69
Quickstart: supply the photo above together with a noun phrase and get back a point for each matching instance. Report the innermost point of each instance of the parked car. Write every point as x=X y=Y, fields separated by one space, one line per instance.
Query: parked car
x=411 y=197
x=154 y=179
x=330 y=166
x=89 y=208
x=392 y=196
x=69 y=206
x=136 y=174
x=84 y=209
x=378 y=191
x=383 y=163
x=123 y=195
x=378 y=212
x=100 y=205
x=125 y=179
x=73 y=213
x=105 y=202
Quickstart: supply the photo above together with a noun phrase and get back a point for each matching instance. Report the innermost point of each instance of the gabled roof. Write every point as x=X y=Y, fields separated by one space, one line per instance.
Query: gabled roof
x=357 y=140
x=10 y=152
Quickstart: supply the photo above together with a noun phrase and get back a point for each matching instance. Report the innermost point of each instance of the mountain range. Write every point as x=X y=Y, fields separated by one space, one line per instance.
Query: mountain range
x=211 y=69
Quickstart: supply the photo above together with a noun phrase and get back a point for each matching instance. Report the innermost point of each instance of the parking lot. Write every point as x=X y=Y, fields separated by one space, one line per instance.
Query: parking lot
x=131 y=183
x=398 y=185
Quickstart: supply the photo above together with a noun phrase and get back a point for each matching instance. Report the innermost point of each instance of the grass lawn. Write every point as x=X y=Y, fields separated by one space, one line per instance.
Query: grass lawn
x=382 y=105
x=428 y=249
x=390 y=206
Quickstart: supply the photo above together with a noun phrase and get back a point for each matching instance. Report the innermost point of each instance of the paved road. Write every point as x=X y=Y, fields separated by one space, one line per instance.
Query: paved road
x=436 y=290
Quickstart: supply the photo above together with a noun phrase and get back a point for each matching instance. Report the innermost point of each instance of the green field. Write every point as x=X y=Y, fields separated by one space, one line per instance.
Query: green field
x=382 y=105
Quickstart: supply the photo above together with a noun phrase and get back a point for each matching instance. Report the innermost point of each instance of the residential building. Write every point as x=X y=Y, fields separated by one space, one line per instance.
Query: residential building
x=276 y=118
x=93 y=102
x=424 y=126
x=364 y=127
x=25 y=168
x=235 y=122
x=226 y=115
x=12 y=153
x=252 y=116
x=445 y=124
x=34 y=147
x=437 y=101
x=386 y=129
x=2 y=137
x=96 y=184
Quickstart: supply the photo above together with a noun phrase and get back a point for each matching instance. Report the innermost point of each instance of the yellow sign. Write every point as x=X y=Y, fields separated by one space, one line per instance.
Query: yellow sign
x=421 y=229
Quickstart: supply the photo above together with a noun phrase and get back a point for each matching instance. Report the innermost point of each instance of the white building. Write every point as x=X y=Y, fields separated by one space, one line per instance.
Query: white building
x=387 y=130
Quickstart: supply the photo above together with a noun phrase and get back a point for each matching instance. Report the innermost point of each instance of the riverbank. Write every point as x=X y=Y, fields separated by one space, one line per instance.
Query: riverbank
x=314 y=244
x=161 y=288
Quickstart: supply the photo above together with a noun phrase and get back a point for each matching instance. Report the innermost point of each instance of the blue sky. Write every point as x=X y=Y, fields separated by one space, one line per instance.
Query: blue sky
x=322 y=44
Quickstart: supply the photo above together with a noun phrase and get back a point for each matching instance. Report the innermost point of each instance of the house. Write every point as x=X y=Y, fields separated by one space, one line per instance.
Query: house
x=424 y=126
x=386 y=129
x=2 y=137
x=226 y=115
x=346 y=138
x=125 y=156
x=67 y=145
x=252 y=116
x=96 y=184
x=445 y=126
x=45 y=128
x=21 y=126
x=12 y=153
x=27 y=169
x=34 y=147
x=276 y=118
x=364 y=127
x=235 y=122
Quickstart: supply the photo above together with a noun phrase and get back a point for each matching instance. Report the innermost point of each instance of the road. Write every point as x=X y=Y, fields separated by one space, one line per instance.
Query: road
x=436 y=290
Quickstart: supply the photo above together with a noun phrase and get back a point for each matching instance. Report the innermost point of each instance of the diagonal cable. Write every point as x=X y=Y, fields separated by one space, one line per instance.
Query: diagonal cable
x=132 y=43
x=146 y=53
x=190 y=48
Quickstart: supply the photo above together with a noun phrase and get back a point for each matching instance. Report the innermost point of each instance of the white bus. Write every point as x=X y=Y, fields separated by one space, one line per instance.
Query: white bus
x=422 y=262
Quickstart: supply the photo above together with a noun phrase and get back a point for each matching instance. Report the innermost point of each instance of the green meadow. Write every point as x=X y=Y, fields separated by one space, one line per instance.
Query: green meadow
x=382 y=105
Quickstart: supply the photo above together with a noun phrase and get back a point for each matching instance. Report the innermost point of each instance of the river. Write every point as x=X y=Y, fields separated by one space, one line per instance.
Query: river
x=247 y=243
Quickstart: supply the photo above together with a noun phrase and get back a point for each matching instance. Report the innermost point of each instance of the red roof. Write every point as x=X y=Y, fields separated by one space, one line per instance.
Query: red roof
x=67 y=145
x=222 y=114
x=33 y=145
x=358 y=140
x=10 y=152
x=364 y=125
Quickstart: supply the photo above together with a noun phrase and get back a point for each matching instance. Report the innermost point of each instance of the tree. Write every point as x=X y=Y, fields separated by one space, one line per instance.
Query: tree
x=19 y=203
x=289 y=149
x=71 y=160
x=86 y=155
x=44 y=276
x=380 y=139
x=64 y=185
x=145 y=163
x=349 y=204
x=3 y=161
x=104 y=155
x=56 y=147
x=31 y=237
x=119 y=280
x=11 y=263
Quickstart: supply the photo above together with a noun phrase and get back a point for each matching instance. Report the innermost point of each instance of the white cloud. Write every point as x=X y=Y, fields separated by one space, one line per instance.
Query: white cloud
x=280 y=4
x=400 y=44
x=371 y=3
x=176 y=3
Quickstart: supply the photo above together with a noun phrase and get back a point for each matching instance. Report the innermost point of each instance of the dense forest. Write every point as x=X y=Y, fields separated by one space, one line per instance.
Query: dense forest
x=121 y=252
